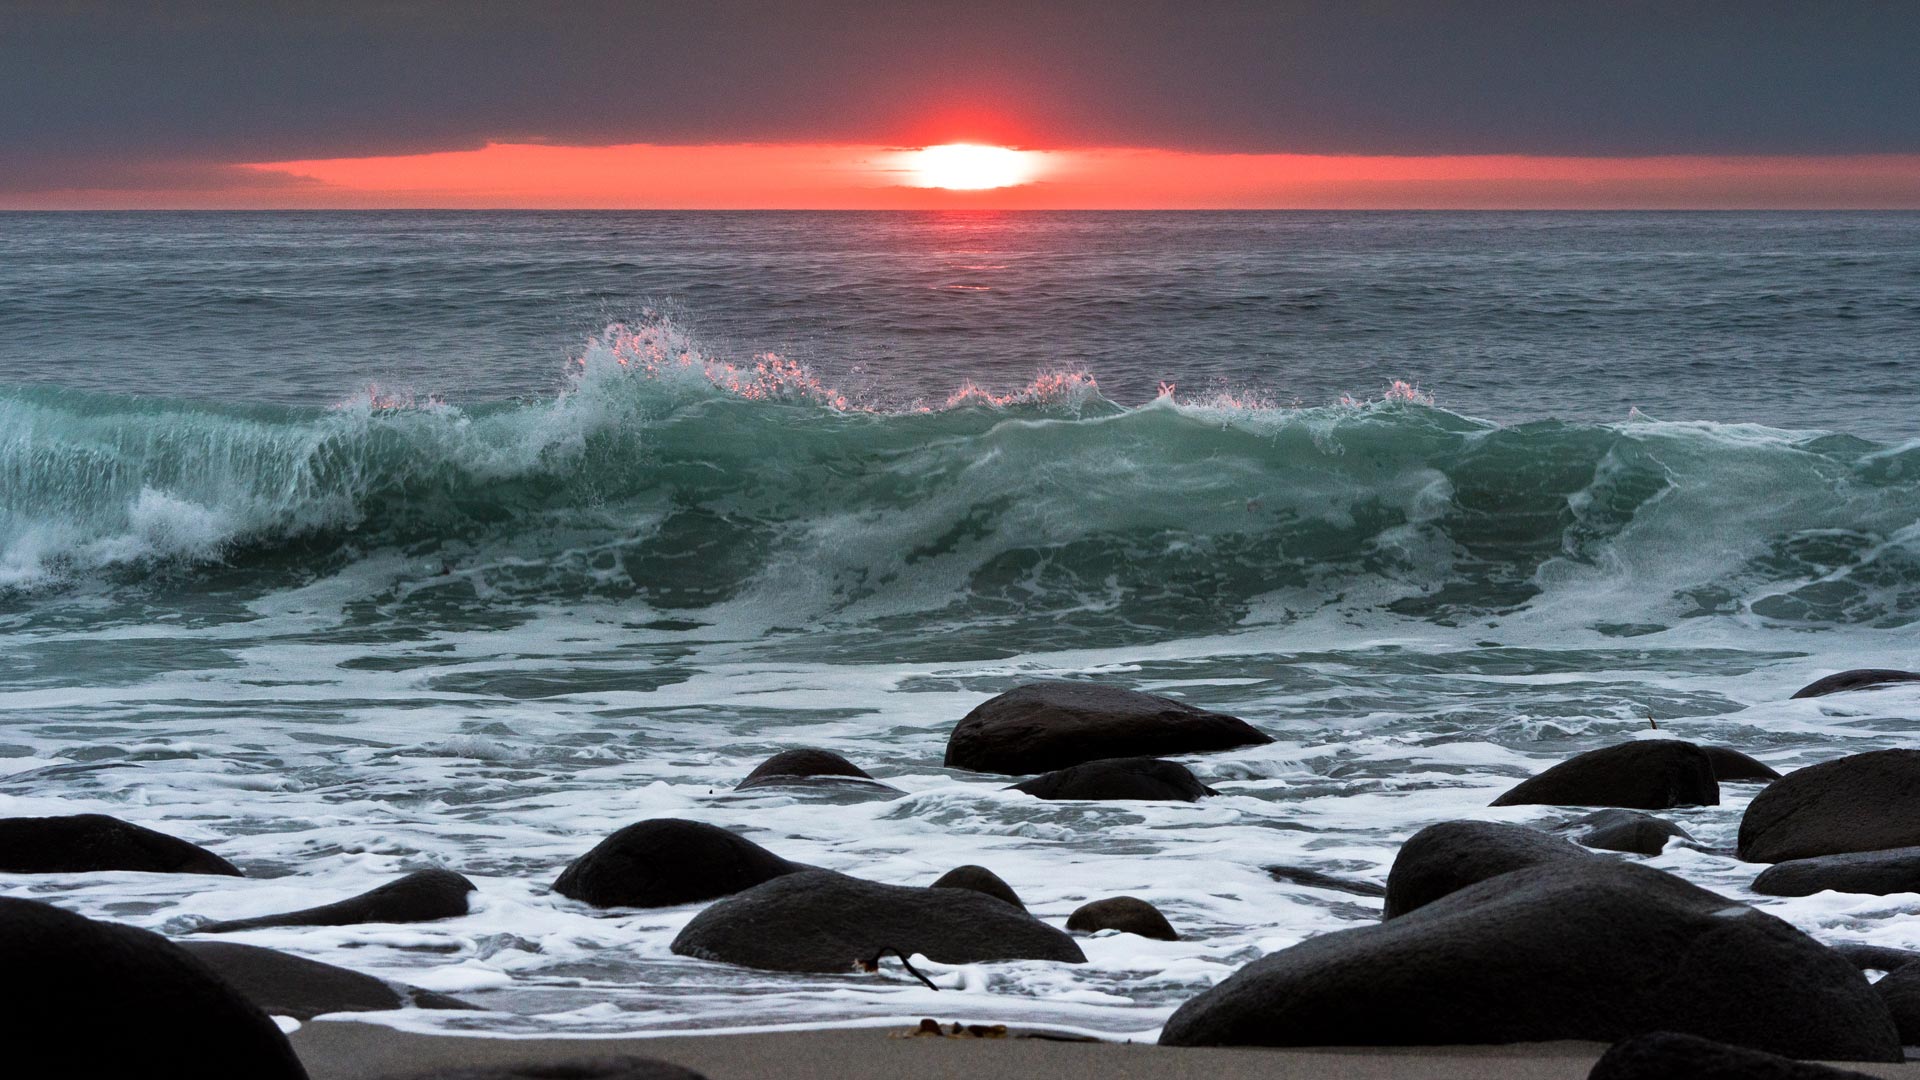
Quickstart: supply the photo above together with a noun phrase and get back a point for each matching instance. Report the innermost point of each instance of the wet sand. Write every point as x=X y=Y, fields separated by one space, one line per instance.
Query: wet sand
x=348 y=1050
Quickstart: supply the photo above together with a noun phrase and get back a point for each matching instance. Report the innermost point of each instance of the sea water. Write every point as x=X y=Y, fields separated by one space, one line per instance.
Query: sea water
x=353 y=544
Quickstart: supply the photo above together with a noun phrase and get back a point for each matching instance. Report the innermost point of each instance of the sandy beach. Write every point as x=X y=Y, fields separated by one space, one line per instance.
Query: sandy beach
x=347 y=1050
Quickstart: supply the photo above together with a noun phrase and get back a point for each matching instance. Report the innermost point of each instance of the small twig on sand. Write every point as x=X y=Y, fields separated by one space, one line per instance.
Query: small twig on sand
x=874 y=965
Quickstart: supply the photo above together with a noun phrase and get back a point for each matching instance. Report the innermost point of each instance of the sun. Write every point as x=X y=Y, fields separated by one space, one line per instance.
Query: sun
x=970 y=166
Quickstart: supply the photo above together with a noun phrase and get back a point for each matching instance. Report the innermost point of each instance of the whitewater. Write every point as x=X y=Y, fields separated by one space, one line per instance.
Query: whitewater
x=405 y=623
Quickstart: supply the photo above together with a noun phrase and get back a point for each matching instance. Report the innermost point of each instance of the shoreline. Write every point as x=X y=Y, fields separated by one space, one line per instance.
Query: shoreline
x=345 y=1049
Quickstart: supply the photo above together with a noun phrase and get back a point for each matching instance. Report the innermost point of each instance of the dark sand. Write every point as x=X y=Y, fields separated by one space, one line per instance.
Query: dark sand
x=346 y=1050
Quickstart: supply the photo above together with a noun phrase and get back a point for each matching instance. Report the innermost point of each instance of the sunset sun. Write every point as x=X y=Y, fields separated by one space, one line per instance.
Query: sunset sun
x=971 y=167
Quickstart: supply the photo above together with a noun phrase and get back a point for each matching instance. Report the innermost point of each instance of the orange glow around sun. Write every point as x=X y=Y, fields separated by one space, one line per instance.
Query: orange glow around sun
x=970 y=167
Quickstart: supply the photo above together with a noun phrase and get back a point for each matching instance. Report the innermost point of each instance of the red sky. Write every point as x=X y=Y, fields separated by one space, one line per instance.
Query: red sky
x=832 y=176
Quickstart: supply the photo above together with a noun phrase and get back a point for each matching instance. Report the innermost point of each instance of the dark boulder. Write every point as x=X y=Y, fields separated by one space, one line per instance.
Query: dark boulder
x=1594 y=948
x=980 y=880
x=81 y=843
x=422 y=896
x=1648 y=774
x=1664 y=1055
x=88 y=998
x=1901 y=991
x=1628 y=831
x=286 y=985
x=822 y=921
x=1874 y=872
x=808 y=767
x=1856 y=679
x=1320 y=879
x=1876 y=957
x=1052 y=725
x=668 y=861
x=1140 y=779
x=1127 y=914
x=1730 y=765
x=598 y=1068
x=1865 y=802
x=1445 y=858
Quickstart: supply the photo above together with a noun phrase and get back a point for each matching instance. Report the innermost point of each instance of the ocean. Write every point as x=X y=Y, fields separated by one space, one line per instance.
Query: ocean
x=352 y=544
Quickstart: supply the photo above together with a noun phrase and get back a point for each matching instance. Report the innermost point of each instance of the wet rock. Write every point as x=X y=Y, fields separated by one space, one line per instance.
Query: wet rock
x=1664 y=1055
x=1865 y=802
x=808 y=767
x=1139 y=779
x=1627 y=831
x=82 y=843
x=1127 y=914
x=1901 y=991
x=1053 y=725
x=1876 y=957
x=286 y=985
x=1445 y=858
x=1591 y=948
x=422 y=896
x=1875 y=872
x=668 y=861
x=822 y=921
x=1730 y=765
x=1856 y=679
x=980 y=880
x=597 y=1068
x=1648 y=774
x=1315 y=879
x=97 y=999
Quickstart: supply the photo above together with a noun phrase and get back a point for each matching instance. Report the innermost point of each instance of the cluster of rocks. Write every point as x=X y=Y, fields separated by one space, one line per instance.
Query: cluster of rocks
x=1491 y=932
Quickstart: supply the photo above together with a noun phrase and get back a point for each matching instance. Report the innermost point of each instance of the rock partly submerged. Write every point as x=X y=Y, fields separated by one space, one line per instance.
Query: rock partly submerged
x=1307 y=877
x=818 y=920
x=1588 y=948
x=1856 y=679
x=980 y=880
x=1628 y=831
x=1138 y=779
x=1877 y=873
x=810 y=767
x=1127 y=914
x=1443 y=859
x=287 y=985
x=422 y=896
x=1053 y=725
x=85 y=843
x=1863 y=802
x=668 y=861
x=1647 y=774
x=98 y=999
x=1732 y=766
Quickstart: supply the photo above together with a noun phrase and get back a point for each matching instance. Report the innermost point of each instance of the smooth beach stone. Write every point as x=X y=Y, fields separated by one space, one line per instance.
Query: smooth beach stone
x=1319 y=879
x=818 y=920
x=1128 y=914
x=1864 y=802
x=1628 y=831
x=980 y=880
x=668 y=861
x=1875 y=872
x=1647 y=774
x=1137 y=779
x=422 y=896
x=1052 y=725
x=1856 y=679
x=807 y=766
x=1664 y=1055
x=97 y=999
x=1730 y=765
x=1595 y=949
x=597 y=1068
x=1901 y=991
x=1445 y=858
x=283 y=984
x=1876 y=957
x=83 y=843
